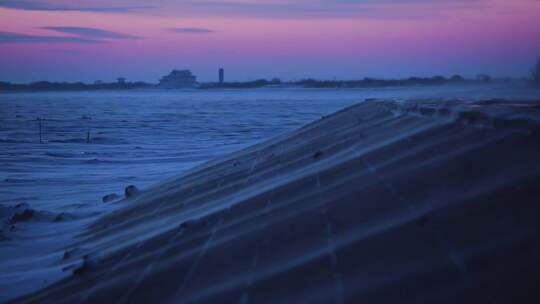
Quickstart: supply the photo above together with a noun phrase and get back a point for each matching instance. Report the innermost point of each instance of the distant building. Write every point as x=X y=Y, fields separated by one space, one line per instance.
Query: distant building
x=483 y=78
x=221 y=75
x=121 y=80
x=178 y=79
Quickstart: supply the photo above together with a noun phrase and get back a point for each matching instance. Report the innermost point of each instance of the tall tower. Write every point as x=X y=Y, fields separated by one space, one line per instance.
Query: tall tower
x=221 y=75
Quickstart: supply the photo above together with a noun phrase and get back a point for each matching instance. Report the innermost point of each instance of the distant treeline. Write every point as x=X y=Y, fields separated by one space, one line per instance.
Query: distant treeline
x=276 y=82
x=364 y=83
x=372 y=82
x=72 y=86
x=240 y=85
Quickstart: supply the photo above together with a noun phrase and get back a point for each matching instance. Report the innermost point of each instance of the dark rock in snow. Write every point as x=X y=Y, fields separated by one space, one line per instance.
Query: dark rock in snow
x=68 y=253
x=63 y=216
x=83 y=268
x=111 y=197
x=22 y=216
x=59 y=217
x=187 y=224
x=22 y=205
x=317 y=154
x=131 y=190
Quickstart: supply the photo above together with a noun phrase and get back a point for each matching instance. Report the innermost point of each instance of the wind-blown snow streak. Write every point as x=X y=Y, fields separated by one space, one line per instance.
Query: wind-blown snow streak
x=382 y=202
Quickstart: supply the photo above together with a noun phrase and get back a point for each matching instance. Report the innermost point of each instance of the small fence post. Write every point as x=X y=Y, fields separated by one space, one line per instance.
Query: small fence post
x=40 y=136
x=88 y=119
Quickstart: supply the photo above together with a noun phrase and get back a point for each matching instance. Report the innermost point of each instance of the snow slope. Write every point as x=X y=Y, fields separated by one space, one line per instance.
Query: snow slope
x=382 y=202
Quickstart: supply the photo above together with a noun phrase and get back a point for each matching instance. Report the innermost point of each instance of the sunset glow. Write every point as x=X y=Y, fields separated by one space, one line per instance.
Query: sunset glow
x=56 y=40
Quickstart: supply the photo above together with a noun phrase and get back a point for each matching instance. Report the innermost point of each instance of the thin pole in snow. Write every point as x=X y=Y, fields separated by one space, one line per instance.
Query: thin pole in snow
x=40 y=136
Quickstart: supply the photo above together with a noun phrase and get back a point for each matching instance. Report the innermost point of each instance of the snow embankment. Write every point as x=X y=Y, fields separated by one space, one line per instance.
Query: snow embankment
x=382 y=202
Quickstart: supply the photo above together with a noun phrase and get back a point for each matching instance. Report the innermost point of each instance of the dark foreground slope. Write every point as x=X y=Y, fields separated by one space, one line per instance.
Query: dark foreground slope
x=379 y=203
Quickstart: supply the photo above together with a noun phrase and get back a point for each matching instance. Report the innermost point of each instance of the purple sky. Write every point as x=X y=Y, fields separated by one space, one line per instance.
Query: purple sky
x=88 y=40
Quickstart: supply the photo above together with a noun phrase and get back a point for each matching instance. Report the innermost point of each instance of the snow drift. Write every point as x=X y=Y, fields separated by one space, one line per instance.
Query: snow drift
x=382 y=202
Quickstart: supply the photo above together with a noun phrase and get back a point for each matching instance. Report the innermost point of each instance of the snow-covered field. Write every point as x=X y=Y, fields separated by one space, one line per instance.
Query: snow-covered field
x=142 y=137
x=96 y=143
